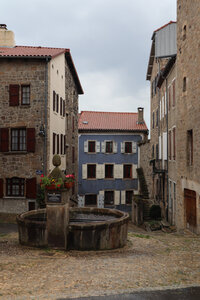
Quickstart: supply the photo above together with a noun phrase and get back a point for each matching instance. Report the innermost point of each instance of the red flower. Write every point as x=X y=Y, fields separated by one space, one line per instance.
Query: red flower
x=42 y=175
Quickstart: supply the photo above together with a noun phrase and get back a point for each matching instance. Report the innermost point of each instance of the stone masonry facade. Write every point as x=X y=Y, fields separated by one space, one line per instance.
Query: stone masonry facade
x=24 y=164
x=188 y=121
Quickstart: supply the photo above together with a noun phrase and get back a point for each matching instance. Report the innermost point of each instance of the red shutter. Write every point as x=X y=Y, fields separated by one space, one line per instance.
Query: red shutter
x=54 y=100
x=1 y=188
x=31 y=139
x=14 y=94
x=174 y=93
x=169 y=97
x=174 y=142
x=31 y=188
x=4 y=139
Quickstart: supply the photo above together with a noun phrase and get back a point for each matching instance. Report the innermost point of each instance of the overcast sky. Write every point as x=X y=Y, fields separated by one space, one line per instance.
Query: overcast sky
x=109 y=40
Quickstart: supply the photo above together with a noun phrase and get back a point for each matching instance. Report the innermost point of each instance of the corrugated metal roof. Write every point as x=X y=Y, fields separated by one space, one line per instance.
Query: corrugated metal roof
x=109 y=121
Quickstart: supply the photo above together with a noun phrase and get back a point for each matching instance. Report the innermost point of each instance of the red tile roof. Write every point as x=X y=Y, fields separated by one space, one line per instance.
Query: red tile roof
x=27 y=51
x=42 y=52
x=171 y=22
x=109 y=121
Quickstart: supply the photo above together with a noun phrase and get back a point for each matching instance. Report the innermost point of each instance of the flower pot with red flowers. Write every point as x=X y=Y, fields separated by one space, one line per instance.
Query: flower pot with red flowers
x=69 y=181
x=49 y=183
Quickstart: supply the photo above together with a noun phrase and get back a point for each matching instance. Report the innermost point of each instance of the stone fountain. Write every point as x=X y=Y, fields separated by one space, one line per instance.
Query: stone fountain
x=65 y=227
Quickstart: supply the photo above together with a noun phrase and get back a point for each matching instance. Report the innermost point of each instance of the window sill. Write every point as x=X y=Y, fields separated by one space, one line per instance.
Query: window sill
x=25 y=105
x=14 y=197
x=15 y=152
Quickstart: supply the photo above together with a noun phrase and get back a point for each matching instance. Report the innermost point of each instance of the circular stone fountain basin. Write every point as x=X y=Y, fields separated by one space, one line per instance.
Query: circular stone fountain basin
x=88 y=228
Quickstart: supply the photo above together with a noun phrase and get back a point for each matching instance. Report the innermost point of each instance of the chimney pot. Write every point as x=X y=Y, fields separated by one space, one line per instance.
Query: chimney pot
x=3 y=26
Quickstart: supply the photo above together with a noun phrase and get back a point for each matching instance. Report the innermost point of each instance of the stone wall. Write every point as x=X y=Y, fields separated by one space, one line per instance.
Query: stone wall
x=188 y=67
x=145 y=157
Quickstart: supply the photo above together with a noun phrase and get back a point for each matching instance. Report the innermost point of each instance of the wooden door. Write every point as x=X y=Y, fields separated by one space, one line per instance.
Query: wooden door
x=190 y=208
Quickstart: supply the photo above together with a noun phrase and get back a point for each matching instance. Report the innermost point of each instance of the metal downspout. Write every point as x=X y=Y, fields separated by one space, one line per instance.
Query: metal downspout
x=45 y=119
x=167 y=147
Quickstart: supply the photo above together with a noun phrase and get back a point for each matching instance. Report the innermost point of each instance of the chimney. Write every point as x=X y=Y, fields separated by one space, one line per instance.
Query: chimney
x=7 y=38
x=140 y=115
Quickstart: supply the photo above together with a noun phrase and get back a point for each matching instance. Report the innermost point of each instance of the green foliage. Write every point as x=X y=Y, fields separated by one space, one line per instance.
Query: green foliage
x=47 y=181
x=155 y=212
x=144 y=236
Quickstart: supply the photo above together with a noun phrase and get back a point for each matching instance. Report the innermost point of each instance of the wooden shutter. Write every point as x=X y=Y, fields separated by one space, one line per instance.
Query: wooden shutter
x=57 y=143
x=73 y=154
x=134 y=147
x=116 y=198
x=170 y=146
x=64 y=144
x=99 y=171
x=31 y=139
x=1 y=188
x=122 y=147
x=165 y=145
x=61 y=106
x=97 y=147
x=123 y=198
x=57 y=103
x=86 y=146
x=54 y=100
x=103 y=147
x=174 y=143
x=31 y=188
x=84 y=171
x=14 y=94
x=73 y=123
x=4 y=139
x=169 y=98
x=61 y=144
x=118 y=171
x=134 y=171
x=114 y=147
x=54 y=143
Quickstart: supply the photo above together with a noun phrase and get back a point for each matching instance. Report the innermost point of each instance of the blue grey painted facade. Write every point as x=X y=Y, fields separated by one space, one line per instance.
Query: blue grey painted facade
x=99 y=185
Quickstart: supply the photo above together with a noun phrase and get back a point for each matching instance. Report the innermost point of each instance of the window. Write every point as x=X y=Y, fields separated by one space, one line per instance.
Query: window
x=57 y=103
x=61 y=144
x=152 y=151
x=73 y=154
x=91 y=200
x=184 y=32
x=109 y=147
x=25 y=94
x=156 y=151
x=58 y=144
x=67 y=121
x=174 y=93
x=54 y=100
x=18 y=139
x=129 y=197
x=109 y=198
x=127 y=171
x=63 y=102
x=54 y=143
x=73 y=123
x=91 y=171
x=61 y=106
x=153 y=120
x=169 y=98
x=108 y=171
x=157 y=118
x=184 y=84
x=15 y=187
x=190 y=147
x=91 y=146
x=170 y=145
x=174 y=143
x=128 y=147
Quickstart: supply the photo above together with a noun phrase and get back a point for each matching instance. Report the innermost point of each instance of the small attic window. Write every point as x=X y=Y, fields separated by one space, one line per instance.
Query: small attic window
x=85 y=122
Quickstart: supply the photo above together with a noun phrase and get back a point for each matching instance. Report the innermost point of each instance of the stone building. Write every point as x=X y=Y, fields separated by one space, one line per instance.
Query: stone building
x=108 y=157
x=160 y=171
x=188 y=121
x=39 y=90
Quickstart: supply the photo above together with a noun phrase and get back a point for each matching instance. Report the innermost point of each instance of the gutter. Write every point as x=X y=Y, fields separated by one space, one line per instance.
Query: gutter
x=45 y=119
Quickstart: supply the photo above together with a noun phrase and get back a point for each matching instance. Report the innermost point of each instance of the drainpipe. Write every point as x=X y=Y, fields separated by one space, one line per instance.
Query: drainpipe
x=45 y=119
x=167 y=146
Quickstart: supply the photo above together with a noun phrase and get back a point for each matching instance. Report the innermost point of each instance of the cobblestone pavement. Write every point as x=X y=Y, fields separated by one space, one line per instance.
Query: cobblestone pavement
x=148 y=260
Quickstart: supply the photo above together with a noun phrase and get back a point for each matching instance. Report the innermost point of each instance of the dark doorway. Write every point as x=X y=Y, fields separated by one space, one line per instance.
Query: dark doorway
x=91 y=200
x=190 y=209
